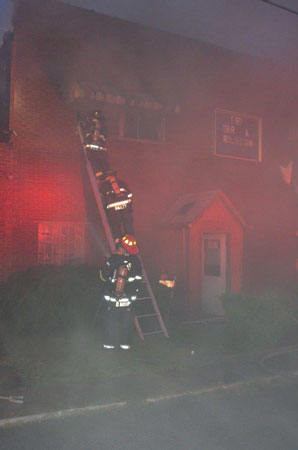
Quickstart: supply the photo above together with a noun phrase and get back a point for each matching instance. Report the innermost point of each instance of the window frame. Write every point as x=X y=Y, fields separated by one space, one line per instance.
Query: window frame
x=122 y=113
x=60 y=246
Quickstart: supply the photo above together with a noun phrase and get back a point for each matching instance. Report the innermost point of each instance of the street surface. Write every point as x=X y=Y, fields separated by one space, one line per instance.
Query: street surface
x=254 y=417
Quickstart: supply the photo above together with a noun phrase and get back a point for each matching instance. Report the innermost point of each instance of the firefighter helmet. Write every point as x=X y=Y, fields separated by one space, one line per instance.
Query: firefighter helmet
x=97 y=114
x=129 y=243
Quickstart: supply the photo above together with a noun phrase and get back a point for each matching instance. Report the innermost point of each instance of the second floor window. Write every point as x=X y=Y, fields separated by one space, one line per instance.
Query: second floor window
x=144 y=124
x=134 y=122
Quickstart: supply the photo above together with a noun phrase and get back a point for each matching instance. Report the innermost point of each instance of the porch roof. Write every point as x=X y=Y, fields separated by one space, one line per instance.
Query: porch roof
x=191 y=206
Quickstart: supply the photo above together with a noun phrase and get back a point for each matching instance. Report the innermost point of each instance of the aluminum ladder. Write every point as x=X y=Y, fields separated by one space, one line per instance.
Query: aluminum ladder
x=146 y=292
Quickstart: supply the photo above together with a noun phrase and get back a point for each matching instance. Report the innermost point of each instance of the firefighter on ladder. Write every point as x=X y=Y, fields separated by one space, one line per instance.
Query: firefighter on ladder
x=117 y=199
x=122 y=274
x=94 y=137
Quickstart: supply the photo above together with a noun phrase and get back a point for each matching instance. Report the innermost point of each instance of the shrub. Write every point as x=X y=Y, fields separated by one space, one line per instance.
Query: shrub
x=256 y=321
x=48 y=299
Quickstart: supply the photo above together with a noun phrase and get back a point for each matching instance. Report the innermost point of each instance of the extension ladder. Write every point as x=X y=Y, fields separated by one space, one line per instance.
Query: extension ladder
x=144 y=310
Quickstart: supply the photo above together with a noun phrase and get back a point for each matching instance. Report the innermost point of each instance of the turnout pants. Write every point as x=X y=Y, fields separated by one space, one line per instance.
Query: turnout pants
x=121 y=222
x=99 y=160
x=117 y=325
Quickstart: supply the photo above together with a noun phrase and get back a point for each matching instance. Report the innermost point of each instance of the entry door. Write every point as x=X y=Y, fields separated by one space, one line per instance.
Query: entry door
x=214 y=276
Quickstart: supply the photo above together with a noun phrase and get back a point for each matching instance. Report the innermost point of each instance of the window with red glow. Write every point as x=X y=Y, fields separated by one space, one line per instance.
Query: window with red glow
x=60 y=243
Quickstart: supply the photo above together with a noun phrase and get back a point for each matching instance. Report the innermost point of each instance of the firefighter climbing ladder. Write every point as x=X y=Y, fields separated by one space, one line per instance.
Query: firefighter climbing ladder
x=147 y=294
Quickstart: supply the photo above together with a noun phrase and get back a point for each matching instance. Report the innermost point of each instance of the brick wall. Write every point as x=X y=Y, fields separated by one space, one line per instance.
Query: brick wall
x=46 y=153
x=41 y=170
x=7 y=210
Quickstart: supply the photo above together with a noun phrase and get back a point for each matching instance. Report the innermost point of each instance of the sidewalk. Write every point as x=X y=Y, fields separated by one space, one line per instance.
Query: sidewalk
x=137 y=388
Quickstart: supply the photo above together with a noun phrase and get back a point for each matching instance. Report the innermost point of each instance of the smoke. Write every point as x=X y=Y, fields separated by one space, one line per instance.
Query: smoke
x=252 y=28
x=5 y=16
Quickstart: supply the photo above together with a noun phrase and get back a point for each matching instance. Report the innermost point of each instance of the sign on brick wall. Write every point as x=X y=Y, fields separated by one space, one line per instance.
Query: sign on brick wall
x=238 y=135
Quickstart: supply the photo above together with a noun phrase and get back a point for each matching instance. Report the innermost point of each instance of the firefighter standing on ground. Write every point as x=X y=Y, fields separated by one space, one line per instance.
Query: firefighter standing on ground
x=122 y=273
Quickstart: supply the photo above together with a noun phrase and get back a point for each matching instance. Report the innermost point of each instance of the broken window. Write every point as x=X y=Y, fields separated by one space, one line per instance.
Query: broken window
x=144 y=124
x=113 y=117
x=133 y=122
x=185 y=208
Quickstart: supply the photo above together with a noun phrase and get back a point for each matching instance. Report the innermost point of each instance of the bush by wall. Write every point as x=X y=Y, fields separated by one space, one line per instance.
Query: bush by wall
x=50 y=299
x=260 y=320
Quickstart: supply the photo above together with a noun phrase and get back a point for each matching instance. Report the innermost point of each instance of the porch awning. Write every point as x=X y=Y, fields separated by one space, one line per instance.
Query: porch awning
x=191 y=206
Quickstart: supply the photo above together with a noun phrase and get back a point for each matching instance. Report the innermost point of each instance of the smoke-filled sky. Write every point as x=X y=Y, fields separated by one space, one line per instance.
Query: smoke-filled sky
x=248 y=26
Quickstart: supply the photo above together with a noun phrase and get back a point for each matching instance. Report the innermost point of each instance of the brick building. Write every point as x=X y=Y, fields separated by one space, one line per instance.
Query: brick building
x=183 y=117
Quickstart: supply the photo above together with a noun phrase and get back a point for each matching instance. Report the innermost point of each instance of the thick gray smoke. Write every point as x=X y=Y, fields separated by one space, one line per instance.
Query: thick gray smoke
x=251 y=27
x=5 y=17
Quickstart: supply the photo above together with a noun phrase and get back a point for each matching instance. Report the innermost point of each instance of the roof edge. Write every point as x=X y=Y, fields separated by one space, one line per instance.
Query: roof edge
x=231 y=208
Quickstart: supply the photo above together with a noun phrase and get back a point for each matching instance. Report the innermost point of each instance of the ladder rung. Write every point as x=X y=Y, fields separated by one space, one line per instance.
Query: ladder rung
x=147 y=315
x=153 y=332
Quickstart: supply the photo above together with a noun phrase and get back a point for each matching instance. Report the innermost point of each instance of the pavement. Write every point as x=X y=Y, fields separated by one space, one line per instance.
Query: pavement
x=31 y=405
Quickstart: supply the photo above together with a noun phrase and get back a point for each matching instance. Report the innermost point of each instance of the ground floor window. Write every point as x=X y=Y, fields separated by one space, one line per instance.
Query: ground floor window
x=5 y=85
x=61 y=242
